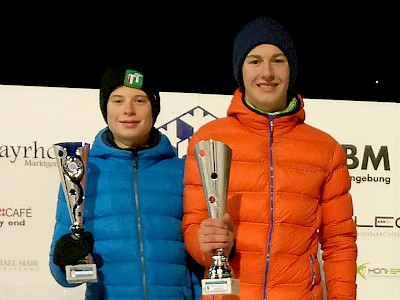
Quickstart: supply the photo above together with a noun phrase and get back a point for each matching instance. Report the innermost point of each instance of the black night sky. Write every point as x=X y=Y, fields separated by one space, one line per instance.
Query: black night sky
x=343 y=57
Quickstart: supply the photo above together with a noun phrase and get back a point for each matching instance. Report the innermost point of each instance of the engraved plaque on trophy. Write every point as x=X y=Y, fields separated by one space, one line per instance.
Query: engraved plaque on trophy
x=213 y=161
x=72 y=159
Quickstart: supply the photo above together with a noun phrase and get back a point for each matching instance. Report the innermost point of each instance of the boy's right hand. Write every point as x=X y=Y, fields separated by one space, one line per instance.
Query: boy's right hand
x=214 y=234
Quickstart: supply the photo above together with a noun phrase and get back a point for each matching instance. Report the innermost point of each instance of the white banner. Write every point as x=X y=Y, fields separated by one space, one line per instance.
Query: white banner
x=32 y=119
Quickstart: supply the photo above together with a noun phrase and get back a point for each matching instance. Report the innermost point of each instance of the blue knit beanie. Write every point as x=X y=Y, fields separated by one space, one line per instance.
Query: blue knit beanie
x=263 y=31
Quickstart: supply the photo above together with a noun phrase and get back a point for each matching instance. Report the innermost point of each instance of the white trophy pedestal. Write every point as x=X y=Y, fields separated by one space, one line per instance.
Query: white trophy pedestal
x=220 y=286
x=81 y=273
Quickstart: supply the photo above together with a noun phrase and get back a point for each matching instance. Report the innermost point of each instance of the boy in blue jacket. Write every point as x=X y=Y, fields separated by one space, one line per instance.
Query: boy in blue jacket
x=133 y=201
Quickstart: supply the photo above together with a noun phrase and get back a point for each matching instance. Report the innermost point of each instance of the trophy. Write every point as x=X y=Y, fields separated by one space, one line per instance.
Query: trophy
x=213 y=161
x=72 y=158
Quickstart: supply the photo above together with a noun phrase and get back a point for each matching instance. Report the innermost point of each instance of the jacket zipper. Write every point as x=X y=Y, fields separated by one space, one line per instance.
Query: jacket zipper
x=139 y=224
x=271 y=196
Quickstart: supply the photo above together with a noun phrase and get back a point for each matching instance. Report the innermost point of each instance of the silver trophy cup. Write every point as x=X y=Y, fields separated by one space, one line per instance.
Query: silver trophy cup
x=72 y=159
x=213 y=161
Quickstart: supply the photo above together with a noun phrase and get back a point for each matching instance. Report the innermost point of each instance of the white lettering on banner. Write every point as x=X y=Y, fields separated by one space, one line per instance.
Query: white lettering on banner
x=29 y=187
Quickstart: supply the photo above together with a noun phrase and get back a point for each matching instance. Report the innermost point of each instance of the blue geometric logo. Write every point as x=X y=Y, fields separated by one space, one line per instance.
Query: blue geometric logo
x=180 y=129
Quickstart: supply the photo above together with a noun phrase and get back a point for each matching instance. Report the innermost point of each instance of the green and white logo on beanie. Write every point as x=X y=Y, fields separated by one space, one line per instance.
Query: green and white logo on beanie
x=133 y=79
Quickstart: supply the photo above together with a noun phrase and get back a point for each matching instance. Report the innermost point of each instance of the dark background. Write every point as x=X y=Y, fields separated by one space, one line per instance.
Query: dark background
x=340 y=56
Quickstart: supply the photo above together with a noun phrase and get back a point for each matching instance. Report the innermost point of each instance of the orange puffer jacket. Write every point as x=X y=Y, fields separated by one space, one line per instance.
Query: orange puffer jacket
x=288 y=191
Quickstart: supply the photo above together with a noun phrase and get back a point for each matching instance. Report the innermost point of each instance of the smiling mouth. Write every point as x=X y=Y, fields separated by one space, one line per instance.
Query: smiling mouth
x=130 y=122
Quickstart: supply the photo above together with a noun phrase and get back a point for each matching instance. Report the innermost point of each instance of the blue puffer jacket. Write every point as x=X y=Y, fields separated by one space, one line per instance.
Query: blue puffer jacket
x=133 y=208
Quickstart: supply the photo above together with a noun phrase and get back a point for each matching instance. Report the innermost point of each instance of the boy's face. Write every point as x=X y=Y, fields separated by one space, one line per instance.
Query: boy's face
x=129 y=117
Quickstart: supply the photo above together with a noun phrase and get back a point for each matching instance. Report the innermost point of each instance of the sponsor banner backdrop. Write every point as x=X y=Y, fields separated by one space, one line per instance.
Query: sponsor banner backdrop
x=369 y=132
x=32 y=119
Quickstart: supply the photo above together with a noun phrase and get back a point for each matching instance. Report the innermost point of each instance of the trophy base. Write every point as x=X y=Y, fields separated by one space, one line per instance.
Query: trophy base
x=81 y=273
x=220 y=286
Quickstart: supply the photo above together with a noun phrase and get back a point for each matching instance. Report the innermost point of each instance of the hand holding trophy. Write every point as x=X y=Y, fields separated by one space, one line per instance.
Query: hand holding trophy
x=72 y=158
x=213 y=161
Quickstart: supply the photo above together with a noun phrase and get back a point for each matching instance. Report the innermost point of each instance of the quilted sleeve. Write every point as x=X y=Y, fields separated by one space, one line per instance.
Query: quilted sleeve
x=338 y=231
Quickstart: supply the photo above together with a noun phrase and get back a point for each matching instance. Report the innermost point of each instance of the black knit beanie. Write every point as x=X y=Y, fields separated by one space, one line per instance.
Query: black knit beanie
x=263 y=31
x=131 y=75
